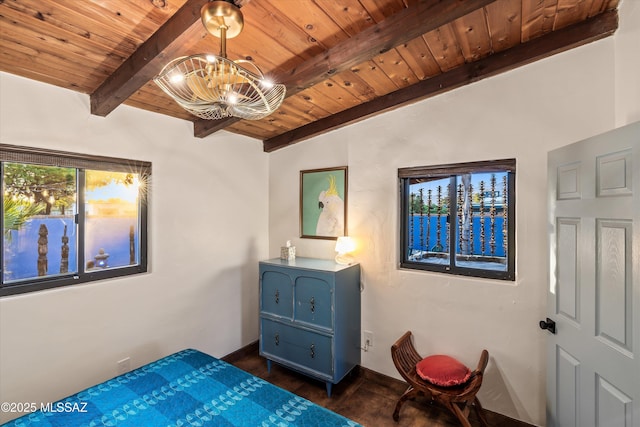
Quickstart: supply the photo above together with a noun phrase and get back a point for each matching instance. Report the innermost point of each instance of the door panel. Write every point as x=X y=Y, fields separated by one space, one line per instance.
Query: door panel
x=613 y=284
x=567 y=293
x=593 y=360
x=568 y=387
x=614 y=407
x=614 y=174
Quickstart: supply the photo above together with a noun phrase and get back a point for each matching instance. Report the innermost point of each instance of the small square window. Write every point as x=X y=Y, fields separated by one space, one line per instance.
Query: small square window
x=459 y=218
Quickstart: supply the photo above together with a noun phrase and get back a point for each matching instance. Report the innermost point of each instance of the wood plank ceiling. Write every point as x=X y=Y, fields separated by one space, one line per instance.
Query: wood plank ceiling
x=341 y=60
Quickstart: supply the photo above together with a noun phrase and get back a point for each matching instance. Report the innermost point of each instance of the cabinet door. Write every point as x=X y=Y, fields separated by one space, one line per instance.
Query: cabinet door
x=276 y=294
x=314 y=301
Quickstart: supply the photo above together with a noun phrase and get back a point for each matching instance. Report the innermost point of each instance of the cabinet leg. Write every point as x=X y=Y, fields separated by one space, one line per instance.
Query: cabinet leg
x=268 y=366
x=329 y=385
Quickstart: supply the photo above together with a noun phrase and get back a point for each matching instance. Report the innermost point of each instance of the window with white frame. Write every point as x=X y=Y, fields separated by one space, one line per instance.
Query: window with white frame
x=70 y=218
x=459 y=218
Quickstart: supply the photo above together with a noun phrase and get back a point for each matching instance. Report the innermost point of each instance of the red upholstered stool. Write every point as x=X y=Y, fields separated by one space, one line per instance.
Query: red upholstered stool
x=440 y=377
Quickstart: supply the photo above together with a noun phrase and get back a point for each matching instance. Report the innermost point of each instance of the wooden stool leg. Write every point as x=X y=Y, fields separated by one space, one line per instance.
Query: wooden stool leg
x=459 y=414
x=409 y=394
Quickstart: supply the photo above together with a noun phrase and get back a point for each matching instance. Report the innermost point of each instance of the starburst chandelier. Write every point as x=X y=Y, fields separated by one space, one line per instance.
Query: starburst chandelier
x=214 y=87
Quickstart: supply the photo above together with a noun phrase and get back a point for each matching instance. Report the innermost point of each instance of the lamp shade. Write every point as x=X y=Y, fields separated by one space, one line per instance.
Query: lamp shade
x=344 y=245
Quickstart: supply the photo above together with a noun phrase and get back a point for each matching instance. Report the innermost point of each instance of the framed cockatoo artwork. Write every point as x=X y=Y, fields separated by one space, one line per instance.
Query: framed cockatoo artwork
x=323 y=203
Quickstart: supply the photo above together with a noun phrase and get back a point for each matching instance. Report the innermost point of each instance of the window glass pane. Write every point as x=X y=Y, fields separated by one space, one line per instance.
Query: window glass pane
x=39 y=205
x=112 y=223
x=428 y=240
x=482 y=221
x=459 y=218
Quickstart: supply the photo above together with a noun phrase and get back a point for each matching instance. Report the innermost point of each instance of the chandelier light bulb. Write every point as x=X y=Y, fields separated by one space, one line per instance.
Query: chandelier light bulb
x=176 y=78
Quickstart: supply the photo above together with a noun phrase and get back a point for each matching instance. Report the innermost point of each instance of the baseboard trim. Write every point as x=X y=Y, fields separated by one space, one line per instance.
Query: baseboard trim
x=248 y=350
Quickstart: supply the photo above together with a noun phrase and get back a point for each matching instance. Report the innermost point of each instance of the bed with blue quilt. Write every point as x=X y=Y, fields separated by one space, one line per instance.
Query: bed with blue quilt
x=188 y=388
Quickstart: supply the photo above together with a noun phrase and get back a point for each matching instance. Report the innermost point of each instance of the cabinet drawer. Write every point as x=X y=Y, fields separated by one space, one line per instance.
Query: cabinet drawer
x=276 y=294
x=296 y=347
x=314 y=301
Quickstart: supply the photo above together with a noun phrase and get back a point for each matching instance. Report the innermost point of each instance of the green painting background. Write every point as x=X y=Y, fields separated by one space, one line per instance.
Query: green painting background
x=313 y=183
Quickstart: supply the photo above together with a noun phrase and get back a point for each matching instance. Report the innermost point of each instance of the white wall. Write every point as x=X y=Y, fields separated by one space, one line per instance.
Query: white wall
x=521 y=114
x=208 y=228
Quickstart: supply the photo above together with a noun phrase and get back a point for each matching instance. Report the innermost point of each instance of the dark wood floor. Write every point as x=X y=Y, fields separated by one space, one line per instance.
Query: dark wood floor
x=364 y=396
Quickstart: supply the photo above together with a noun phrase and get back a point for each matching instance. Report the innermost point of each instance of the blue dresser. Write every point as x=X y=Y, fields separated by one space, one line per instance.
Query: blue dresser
x=310 y=316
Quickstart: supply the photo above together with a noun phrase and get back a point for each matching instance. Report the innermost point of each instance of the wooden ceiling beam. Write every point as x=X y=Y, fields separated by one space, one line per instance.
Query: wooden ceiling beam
x=593 y=29
x=182 y=29
x=402 y=27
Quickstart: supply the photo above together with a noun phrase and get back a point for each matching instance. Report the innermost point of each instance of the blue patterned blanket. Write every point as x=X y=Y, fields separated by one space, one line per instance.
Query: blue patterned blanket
x=188 y=388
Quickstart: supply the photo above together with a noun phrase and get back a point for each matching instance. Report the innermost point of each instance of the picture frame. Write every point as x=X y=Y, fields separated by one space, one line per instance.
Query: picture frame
x=323 y=203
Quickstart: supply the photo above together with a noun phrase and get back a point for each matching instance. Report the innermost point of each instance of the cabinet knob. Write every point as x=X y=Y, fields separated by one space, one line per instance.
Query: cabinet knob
x=277 y=296
x=312 y=301
x=277 y=339
x=313 y=351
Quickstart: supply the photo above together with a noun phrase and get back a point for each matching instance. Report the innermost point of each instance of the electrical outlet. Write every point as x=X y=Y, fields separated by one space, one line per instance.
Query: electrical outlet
x=124 y=365
x=368 y=339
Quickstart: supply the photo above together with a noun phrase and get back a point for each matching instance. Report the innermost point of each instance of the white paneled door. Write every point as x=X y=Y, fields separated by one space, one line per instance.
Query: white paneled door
x=593 y=323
